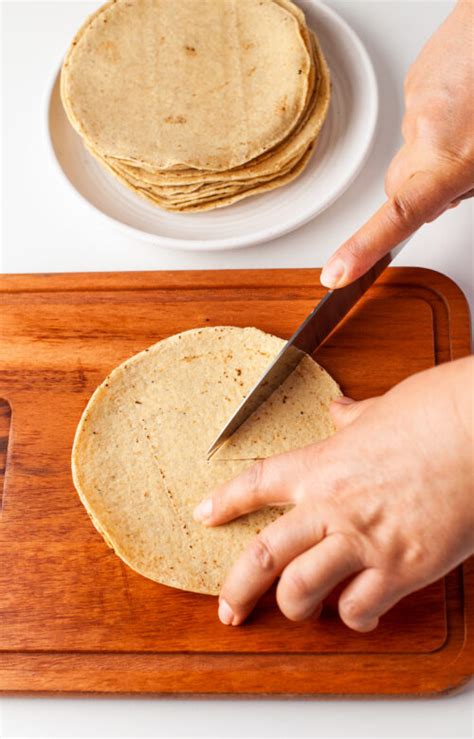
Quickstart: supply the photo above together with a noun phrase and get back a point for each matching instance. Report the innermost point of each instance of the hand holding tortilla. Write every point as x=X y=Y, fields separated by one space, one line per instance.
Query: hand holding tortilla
x=434 y=169
x=139 y=458
x=387 y=501
x=389 y=506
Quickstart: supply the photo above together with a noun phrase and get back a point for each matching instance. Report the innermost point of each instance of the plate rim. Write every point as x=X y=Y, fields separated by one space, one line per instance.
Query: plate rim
x=263 y=234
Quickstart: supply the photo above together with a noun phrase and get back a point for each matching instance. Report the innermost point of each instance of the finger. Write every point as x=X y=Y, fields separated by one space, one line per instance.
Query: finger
x=368 y=597
x=264 y=559
x=468 y=194
x=345 y=410
x=268 y=481
x=420 y=197
x=435 y=216
x=309 y=578
x=453 y=204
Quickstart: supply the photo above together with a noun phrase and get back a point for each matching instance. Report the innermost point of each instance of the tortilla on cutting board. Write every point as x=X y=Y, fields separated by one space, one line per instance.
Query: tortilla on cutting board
x=139 y=456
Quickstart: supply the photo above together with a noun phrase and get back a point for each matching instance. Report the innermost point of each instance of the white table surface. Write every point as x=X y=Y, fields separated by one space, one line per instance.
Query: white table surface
x=45 y=228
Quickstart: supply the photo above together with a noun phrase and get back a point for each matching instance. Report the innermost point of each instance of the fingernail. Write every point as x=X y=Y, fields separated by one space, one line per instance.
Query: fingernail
x=203 y=511
x=343 y=400
x=333 y=272
x=225 y=612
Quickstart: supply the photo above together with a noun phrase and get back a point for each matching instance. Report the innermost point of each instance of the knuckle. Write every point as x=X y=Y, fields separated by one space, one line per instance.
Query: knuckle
x=414 y=555
x=401 y=211
x=336 y=489
x=351 y=549
x=255 y=478
x=261 y=554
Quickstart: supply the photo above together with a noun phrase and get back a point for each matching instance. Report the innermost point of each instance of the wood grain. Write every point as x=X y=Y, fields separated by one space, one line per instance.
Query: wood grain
x=74 y=617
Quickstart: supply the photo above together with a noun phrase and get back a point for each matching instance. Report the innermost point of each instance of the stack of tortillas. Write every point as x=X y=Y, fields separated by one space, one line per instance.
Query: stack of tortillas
x=139 y=457
x=195 y=104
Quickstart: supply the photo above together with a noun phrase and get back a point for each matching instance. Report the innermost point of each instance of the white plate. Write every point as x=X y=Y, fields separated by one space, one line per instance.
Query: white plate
x=341 y=152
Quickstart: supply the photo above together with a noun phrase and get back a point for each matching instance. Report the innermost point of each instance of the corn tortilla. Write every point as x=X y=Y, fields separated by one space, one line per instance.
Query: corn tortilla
x=149 y=81
x=197 y=104
x=139 y=456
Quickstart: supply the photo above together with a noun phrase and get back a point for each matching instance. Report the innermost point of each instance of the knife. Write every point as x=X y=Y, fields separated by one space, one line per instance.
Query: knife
x=320 y=323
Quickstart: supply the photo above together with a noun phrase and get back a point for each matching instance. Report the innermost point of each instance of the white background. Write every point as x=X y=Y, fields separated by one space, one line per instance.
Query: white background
x=45 y=228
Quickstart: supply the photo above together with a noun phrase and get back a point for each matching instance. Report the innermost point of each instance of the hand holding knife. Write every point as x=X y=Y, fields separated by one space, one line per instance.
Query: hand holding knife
x=315 y=329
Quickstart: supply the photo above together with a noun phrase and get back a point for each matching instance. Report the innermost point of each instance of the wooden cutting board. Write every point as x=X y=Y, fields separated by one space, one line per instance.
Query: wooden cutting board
x=73 y=616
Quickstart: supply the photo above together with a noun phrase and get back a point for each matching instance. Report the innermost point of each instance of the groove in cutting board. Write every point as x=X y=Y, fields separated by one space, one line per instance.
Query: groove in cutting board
x=5 y=424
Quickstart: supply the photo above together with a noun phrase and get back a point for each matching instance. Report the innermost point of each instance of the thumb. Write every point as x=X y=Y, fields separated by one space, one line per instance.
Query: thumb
x=421 y=198
x=345 y=410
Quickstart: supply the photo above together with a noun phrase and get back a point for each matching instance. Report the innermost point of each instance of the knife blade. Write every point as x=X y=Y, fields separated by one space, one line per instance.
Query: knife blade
x=315 y=329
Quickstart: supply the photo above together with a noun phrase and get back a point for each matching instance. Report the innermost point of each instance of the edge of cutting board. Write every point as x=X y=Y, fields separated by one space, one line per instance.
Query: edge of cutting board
x=444 y=670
